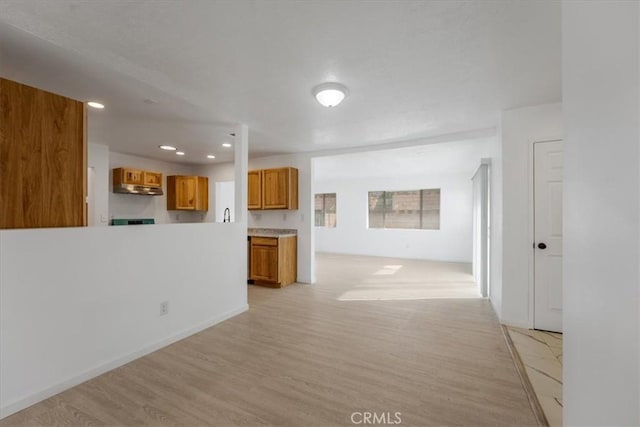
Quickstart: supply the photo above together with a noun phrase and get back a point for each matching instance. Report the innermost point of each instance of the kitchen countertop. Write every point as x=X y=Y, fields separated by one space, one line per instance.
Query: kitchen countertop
x=271 y=232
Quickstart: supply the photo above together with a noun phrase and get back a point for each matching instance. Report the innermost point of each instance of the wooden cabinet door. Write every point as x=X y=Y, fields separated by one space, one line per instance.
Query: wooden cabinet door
x=275 y=188
x=254 y=195
x=264 y=263
x=132 y=176
x=152 y=179
x=43 y=158
x=186 y=192
x=202 y=194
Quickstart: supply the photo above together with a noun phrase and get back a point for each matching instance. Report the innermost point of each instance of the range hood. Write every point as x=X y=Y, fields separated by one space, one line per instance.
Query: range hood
x=143 y=190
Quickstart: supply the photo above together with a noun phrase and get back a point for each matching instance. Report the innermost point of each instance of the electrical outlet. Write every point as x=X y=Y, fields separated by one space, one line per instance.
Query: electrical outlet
x=284 y=217
x=164 y=308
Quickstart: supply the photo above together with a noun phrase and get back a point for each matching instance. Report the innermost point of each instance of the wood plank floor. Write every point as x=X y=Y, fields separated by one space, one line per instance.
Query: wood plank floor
x=374 y=334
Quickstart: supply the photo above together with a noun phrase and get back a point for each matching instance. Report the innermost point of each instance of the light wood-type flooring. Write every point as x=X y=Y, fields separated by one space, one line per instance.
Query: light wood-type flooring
x=541 y=355
x=373 y=335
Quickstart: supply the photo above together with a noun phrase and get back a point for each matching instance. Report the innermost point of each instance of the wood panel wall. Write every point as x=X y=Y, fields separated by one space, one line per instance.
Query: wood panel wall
x=43 y=158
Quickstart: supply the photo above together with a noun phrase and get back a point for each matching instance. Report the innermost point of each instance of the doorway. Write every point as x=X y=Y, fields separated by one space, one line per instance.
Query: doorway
x=481 y=228
x=547 y=234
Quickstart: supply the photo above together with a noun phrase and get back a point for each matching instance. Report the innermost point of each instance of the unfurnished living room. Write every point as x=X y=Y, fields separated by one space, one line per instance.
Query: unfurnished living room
x=320 y=213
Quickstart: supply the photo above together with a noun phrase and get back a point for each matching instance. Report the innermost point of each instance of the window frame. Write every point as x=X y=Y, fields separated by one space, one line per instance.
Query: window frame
x=421 y=211
x=324 y=210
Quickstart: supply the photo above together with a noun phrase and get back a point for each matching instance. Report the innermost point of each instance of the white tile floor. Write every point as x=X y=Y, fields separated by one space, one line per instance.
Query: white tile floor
x=541 y=353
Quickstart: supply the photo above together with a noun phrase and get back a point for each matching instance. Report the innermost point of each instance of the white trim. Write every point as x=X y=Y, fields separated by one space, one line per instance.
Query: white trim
x=522 y=325
x=22 y=403
x=531 y=224
x=482 y=173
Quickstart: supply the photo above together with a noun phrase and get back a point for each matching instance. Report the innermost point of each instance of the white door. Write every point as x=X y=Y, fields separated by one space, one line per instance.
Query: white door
x=481 y=228
x=548 y=235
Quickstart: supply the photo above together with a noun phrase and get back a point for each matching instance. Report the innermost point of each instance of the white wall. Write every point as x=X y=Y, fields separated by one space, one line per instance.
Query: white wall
x=453 y=242
x=601 y=213
x=495 y=227
x=446 y=165
x=520 y=128
x=301 y=219
x=136 y=206
x=98 y=159
x=225 y=201
x=218 y=172
x=93 y=302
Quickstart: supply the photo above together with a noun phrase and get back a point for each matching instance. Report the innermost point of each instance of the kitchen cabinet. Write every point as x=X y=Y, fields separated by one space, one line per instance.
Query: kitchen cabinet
x=43 y=158
x=187 y=193
x=273 y=260
x=152 y=179
x=275 y=188
x=129 y=176
x=254 y=194
x=136 y=177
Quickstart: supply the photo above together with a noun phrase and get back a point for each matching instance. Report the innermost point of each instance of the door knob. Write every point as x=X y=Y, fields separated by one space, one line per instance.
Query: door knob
x=542 y=246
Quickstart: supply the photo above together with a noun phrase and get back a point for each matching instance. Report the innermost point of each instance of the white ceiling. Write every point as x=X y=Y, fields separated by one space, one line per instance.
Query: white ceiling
x=414 y=69
x=456 y=157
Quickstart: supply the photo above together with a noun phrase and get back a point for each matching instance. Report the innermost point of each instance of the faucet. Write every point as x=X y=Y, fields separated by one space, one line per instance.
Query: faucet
x=226 y=215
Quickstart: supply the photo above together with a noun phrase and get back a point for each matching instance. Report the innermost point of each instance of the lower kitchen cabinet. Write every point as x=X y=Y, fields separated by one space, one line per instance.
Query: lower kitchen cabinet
x=273 y=260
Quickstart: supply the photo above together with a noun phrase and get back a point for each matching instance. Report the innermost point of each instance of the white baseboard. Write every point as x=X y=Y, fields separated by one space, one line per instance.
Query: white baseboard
x=517 y=324
x=20 y=404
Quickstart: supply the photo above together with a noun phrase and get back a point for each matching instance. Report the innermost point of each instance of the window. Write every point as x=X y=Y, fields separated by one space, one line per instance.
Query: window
x=325 y=209
x=414 y=209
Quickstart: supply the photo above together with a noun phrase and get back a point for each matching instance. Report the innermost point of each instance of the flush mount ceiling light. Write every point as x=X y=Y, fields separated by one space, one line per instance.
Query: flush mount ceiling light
x=226 y=145
x=94 y=104
x=179 y=153
x=210 y=156
x=330 y=94
x=167 y=147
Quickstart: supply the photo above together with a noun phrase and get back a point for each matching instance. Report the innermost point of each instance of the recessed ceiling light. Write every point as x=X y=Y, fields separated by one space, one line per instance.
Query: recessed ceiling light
x=210 y=156
x=167 y=147
x=226 y=145
x=94 y=104
x=179 y=153
x=330 y=94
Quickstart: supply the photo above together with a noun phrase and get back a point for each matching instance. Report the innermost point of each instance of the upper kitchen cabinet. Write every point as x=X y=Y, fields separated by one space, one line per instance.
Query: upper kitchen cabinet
x=273 y=188
x=254 y=195
x=136 y=177
x=152 y=179
x=187 y=193
x=137 y=181
x=280 y=188
x=43 y=158
x=128 y=176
